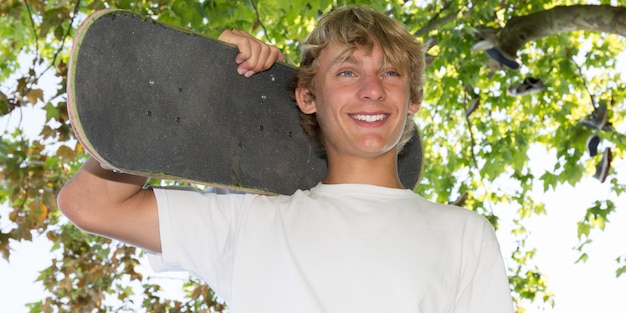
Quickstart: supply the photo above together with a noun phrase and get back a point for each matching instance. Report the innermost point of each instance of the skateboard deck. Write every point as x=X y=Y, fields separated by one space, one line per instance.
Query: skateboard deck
x=159 y=101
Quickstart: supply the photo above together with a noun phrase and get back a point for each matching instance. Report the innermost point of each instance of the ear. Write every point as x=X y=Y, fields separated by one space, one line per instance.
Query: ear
x=305 y=100
x=414 y=107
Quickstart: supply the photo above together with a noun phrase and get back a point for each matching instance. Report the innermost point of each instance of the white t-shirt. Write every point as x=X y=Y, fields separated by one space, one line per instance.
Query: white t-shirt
x=336 y=248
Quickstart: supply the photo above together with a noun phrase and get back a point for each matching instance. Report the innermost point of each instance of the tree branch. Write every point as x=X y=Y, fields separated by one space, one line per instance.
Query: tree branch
x=522 y=29
x=67 y=33
x=469 y=129
x=258 y=19
x=582 y=77
x=32 y=25
x=437 y=21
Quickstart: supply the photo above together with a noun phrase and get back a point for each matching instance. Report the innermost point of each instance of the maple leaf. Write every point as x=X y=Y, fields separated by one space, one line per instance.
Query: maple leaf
x=34 y=95
x=66 y=153
x=52 y=112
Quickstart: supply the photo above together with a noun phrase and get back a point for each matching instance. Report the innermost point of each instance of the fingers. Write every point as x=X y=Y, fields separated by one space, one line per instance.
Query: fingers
x=254 y=55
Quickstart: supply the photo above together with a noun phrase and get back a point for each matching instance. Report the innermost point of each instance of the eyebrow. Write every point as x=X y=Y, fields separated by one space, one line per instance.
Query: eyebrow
x=349 y=59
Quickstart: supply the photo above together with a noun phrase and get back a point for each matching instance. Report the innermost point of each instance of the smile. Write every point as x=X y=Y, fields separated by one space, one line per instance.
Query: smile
x=369 y=118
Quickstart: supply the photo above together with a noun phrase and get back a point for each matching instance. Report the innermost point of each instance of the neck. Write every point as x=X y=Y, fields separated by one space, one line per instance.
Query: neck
x=380 y=171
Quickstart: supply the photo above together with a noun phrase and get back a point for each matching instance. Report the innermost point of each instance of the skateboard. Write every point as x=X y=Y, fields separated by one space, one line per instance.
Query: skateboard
x=149 y=99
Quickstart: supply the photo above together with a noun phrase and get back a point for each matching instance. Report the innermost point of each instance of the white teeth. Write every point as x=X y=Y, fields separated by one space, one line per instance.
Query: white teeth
x=369 y=118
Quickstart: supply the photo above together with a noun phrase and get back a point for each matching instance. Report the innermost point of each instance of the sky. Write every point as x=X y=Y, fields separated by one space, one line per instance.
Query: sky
x=583 y=287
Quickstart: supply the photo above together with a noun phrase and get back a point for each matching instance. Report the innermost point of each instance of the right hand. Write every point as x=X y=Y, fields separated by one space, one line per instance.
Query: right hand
x=254 y=55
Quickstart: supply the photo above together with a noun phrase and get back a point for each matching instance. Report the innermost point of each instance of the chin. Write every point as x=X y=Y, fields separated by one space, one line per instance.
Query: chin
x=380 y=150
x=380 y=147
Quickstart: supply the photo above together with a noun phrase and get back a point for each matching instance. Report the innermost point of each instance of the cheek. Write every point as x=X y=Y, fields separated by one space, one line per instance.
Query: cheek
x=323 y=106
x=404 y=97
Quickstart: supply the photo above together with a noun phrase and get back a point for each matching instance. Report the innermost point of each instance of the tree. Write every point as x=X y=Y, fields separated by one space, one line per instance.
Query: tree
x=477 y=132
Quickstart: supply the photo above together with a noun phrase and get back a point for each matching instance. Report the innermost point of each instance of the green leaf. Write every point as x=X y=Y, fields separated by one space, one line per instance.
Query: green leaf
x=52 y=112
x=583 y=258
x=549 y=180
x=583 y=229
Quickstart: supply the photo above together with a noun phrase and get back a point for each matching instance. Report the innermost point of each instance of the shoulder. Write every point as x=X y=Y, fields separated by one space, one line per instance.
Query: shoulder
x=455 y=217
x=446 y=210
x=177 y=201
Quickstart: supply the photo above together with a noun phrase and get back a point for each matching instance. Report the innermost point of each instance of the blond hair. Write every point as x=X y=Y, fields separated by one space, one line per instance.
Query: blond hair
x=361 y=27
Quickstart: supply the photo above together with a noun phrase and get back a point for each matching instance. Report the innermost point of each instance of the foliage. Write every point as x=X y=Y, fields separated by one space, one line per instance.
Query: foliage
x=482 y=156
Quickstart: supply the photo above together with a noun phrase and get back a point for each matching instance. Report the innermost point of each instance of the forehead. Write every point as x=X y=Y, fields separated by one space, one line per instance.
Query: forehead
x=335 y=54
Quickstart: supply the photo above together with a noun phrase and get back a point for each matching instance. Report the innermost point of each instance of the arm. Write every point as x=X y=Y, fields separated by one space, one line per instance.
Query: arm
x=112 y=204
x=116 y=205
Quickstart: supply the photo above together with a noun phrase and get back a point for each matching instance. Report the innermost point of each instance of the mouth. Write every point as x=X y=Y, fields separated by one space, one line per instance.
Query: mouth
x=370 y=118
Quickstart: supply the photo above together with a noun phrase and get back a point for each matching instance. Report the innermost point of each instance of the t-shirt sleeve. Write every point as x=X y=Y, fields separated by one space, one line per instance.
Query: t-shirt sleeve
x=198 y=234
x=487 y=289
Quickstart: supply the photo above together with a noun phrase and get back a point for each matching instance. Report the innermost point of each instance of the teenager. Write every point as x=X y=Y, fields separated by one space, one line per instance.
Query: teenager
x=359 y=241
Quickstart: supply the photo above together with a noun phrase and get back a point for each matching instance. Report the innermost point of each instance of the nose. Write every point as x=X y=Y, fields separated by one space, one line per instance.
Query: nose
x=372 y=88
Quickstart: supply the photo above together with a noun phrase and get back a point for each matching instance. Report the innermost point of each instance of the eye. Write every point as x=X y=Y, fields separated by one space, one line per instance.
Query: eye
x=392 y=73
x=346 y=73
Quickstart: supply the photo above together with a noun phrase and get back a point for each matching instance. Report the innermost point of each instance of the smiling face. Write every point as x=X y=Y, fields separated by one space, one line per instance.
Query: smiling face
x=358 y=28
x=361 y=100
